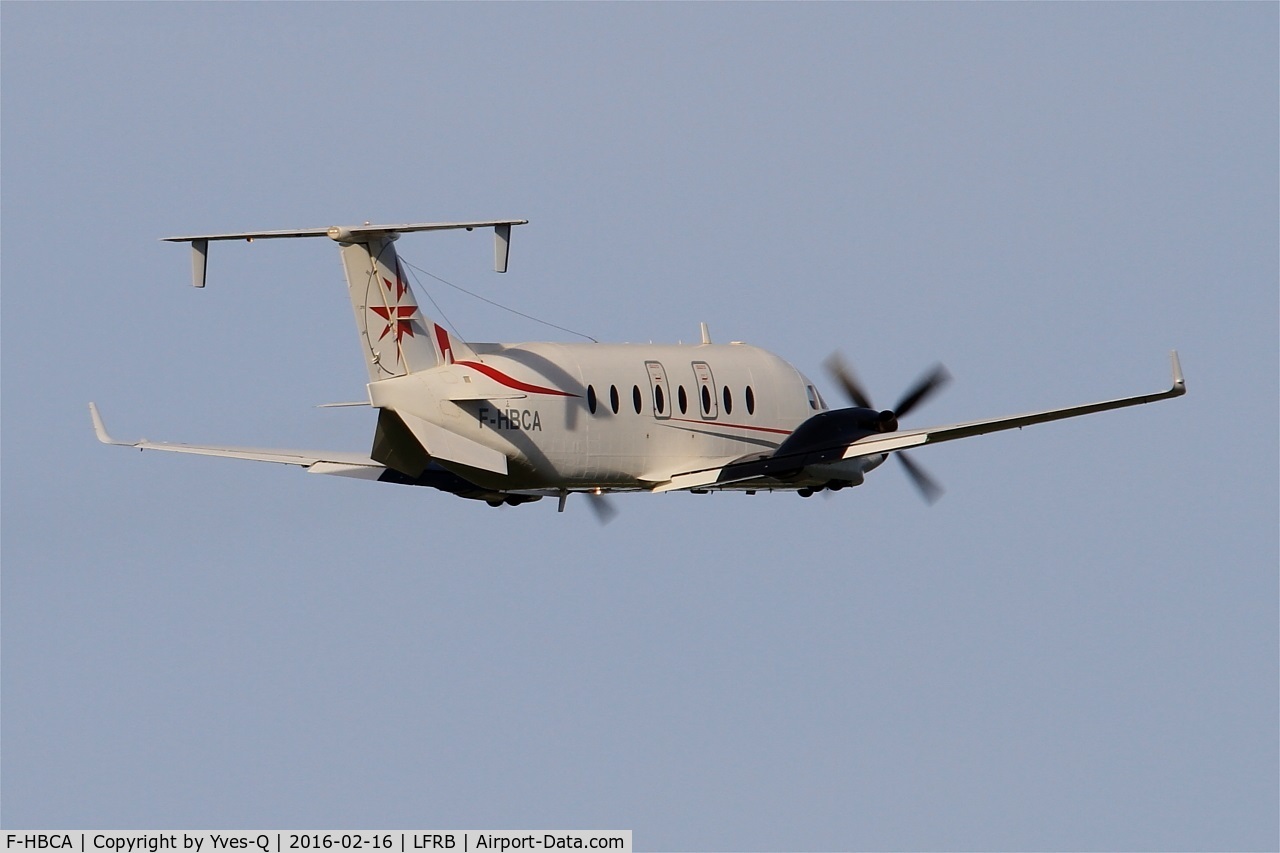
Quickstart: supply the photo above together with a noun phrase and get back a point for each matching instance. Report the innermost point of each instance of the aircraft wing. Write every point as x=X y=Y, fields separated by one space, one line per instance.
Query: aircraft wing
x=695 y=479
x=873 y=445
x=318 y=462
x=744 y=473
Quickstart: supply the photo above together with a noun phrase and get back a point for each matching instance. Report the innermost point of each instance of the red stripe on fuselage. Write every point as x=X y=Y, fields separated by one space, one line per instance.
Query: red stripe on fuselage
x=733 y=426
x=512 y=382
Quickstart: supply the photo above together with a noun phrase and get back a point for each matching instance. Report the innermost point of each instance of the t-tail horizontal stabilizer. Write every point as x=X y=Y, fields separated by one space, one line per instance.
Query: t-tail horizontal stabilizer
x=347 y=234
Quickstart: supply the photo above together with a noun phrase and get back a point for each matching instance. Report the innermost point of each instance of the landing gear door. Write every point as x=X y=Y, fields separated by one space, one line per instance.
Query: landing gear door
x=659 y=391
x=706 y=391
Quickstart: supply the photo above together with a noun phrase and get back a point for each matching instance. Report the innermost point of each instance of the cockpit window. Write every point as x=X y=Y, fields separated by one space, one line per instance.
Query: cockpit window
x=815 y=402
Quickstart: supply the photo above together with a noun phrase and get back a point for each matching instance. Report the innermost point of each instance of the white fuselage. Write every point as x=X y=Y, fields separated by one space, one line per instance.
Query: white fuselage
x=616 y=415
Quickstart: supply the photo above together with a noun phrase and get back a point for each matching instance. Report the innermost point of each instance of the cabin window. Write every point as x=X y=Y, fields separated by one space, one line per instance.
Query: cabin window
x=636 y=399
x=684 y=400
x=613 y=398
x=728 y=401
x=751 y=401
x=660 y=399
x=706 y=401
x=591 y=398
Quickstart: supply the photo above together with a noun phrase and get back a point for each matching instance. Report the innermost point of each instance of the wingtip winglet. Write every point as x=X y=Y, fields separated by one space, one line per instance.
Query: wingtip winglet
x=1179 y=383
x=100 y=429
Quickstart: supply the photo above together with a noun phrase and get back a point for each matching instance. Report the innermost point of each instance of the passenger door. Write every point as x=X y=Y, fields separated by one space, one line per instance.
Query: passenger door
x=706 y=391
x=659 y=391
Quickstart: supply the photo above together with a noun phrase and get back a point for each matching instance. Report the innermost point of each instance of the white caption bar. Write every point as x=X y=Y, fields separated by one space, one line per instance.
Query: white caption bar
x=299 y=841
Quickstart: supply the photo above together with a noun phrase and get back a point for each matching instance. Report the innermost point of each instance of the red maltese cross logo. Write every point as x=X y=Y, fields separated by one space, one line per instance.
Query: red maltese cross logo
x=399 y=317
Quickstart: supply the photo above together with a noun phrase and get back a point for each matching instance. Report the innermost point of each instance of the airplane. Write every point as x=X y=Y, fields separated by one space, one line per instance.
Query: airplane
x=512 y=423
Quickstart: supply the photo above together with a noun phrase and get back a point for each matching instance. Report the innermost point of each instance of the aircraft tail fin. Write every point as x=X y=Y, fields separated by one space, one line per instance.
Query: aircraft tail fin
x=397 y=338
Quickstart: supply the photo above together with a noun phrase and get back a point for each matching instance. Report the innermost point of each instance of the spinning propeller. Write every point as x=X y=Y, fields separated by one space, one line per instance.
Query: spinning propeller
x=887 y=421
x=601 y=506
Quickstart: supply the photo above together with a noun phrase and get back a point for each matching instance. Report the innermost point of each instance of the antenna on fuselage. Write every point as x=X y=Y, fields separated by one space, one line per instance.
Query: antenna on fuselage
x=706 y=333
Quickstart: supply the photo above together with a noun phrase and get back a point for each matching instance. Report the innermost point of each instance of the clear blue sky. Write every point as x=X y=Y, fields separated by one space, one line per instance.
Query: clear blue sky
x=1075 y=649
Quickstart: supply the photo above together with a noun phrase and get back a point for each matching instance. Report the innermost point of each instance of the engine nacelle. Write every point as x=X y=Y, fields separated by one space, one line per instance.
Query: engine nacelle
x=848 y=471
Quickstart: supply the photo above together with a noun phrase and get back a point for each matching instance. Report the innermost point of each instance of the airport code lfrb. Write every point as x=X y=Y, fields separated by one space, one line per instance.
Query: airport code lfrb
x=277 y=841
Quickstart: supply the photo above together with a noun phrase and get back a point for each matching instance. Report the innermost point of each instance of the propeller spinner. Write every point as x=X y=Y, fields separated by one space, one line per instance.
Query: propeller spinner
x=924 y=387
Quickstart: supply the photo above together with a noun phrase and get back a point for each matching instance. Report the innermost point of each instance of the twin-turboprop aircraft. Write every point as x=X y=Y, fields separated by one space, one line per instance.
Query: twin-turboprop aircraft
x=513 y=423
